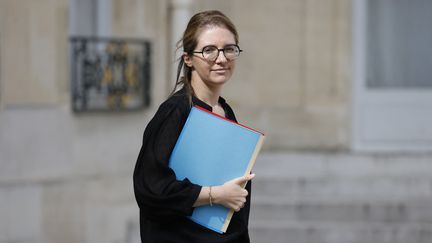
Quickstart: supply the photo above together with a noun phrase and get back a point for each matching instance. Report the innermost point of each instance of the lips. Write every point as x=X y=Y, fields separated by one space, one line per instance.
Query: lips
x=223 y=72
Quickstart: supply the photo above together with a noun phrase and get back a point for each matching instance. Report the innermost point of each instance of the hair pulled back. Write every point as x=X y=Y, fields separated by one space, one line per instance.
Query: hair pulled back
x=189 y=41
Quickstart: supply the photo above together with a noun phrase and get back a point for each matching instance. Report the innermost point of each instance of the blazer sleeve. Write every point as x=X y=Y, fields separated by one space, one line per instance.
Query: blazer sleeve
x=159 y=195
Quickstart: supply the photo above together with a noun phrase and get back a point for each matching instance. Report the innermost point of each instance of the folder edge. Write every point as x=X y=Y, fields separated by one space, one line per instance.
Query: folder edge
x=248 y=171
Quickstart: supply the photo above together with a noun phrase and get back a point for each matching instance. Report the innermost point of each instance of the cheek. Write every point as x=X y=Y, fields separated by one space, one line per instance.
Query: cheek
x=201 y=67
x=232 y=67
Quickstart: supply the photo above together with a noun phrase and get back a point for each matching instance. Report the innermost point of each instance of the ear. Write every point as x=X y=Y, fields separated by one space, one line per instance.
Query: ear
x=187 y=59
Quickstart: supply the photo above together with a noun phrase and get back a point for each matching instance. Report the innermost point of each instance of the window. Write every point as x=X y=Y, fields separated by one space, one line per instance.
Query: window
x=399 y=44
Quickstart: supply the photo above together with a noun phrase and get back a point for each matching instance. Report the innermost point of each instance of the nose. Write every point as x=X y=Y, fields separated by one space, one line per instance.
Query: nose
x=221 y=57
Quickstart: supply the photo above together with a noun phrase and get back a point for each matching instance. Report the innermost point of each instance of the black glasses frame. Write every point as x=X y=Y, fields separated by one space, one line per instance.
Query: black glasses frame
x=219 y=50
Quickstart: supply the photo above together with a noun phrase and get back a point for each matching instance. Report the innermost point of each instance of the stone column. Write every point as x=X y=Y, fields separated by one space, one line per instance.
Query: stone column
x=180 y=12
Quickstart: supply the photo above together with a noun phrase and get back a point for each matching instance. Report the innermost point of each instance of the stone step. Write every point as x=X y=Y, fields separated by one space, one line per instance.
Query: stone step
x=415 y=210
x=341 y=198
x=309 y=165
x=375 y=187
x=282 y=231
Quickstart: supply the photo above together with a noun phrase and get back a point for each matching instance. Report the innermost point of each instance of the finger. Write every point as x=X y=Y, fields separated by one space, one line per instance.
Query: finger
x=240 y=180
x=250 y=176
x=243 y=179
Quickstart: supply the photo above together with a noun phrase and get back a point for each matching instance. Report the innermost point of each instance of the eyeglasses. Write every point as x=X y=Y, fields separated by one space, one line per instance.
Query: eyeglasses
x=211 y=53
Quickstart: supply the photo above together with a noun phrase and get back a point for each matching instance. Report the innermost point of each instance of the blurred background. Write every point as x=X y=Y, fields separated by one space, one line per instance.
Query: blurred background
x=341 y=88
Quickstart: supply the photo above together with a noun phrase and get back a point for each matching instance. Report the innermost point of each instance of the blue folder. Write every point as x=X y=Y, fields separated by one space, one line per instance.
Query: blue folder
x=210 y=151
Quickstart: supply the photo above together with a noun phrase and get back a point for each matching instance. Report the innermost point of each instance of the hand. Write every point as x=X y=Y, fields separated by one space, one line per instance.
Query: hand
x=232 y=194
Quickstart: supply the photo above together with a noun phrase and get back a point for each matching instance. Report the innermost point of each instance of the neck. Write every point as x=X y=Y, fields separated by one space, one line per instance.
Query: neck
x=210 y=95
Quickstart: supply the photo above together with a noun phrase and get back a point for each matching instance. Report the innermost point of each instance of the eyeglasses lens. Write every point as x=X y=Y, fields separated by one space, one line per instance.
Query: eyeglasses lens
x=211 y=52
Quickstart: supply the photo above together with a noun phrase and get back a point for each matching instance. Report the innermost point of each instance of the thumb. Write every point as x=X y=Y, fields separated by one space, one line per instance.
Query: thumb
x=244 y=179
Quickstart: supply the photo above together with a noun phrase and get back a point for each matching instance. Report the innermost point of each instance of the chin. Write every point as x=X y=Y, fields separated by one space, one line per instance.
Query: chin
x=220 y=79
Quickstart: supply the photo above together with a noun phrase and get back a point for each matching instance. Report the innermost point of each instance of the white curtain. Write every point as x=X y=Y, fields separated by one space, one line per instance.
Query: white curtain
x=399 y=44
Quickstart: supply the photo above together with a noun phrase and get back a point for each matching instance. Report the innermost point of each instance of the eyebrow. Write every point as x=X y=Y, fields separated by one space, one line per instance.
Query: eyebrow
x=217 y=46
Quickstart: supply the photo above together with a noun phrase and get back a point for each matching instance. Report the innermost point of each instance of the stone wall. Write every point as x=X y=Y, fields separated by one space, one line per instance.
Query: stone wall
x=293 y=78
x=66 y=177
x=292 y=81
x=33 y=52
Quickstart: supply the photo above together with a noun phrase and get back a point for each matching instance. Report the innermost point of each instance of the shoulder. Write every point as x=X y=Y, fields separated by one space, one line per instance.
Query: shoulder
x=169 y=117
x=176 y=106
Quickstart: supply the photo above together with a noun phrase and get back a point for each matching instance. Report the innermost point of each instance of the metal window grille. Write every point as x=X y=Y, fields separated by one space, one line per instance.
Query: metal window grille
x=110 y=74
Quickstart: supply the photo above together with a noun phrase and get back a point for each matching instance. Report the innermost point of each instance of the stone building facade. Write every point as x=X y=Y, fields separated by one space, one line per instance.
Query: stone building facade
x=66 y=177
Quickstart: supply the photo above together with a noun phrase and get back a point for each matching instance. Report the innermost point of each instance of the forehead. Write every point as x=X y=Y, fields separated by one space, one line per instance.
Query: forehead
x=215 y=35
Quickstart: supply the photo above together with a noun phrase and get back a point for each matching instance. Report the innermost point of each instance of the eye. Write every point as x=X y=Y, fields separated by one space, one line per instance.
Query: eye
x=231 y=49
x=209 y=49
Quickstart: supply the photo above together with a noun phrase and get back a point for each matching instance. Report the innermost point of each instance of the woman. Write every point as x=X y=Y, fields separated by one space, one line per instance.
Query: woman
x=210 y=45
